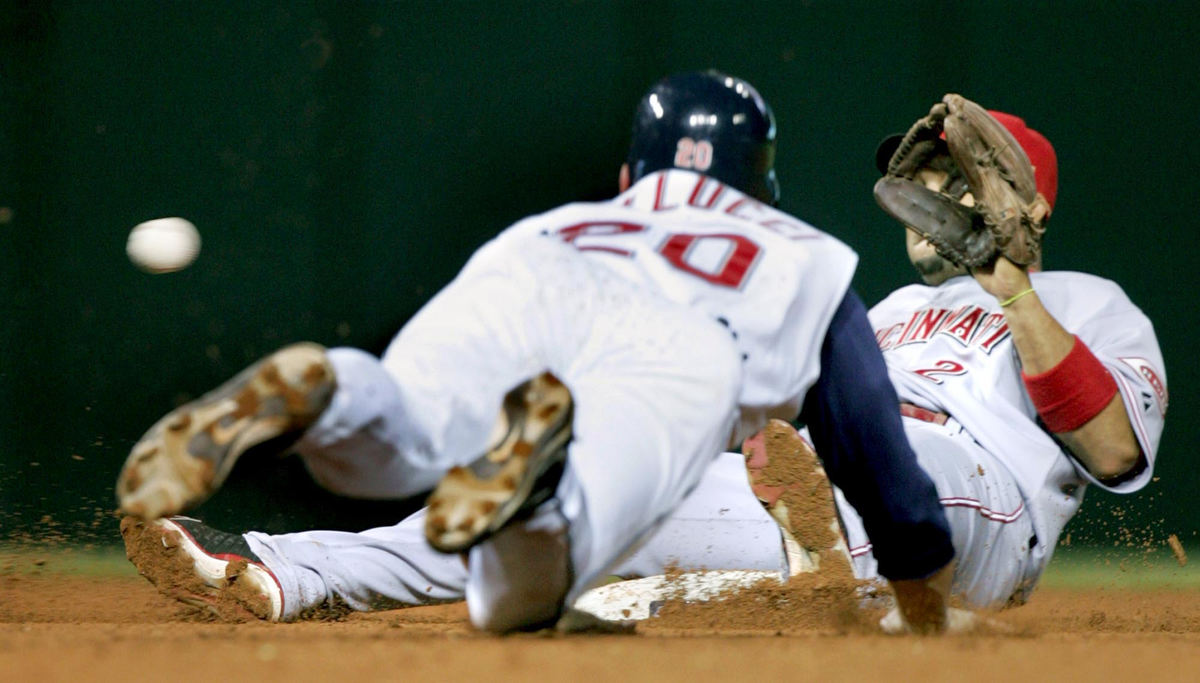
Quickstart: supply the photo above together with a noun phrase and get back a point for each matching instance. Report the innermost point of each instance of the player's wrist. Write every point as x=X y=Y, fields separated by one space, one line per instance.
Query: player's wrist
x=1002 y=279
x=1015 y=299
x=1009 y=281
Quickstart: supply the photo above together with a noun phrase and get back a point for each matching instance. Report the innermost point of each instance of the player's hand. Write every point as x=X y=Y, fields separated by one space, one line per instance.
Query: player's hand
x=922 y=604
x=1002 y=278
x=957 y=621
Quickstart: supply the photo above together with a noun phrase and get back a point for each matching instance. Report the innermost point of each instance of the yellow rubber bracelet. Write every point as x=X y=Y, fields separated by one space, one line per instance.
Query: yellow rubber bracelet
x=1009 y=301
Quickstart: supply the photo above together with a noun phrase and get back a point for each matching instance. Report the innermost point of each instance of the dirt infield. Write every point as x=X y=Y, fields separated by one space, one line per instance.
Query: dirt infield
x=69 y=627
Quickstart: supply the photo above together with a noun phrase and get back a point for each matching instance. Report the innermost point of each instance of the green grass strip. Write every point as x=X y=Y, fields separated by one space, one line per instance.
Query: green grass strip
x=1121 y=568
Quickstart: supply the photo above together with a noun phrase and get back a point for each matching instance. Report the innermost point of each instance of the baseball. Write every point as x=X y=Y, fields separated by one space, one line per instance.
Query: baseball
x=163 y=245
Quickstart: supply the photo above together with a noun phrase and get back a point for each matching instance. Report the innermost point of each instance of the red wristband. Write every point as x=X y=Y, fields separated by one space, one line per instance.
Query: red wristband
x=1072 y=392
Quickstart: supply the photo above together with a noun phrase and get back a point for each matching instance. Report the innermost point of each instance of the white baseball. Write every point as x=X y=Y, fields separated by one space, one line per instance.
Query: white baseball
x=163 y=245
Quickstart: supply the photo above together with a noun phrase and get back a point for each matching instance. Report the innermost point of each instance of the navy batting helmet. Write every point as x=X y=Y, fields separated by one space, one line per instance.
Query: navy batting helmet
x=711 y=123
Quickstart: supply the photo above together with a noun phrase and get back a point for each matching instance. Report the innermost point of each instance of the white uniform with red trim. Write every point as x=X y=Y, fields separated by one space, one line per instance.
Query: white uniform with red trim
x=1008 y=487
x=681 y=315
x=772 y=279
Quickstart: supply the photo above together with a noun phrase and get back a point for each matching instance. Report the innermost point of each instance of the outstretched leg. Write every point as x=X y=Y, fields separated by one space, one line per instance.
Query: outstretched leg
x=719 y=526
x=186 y=456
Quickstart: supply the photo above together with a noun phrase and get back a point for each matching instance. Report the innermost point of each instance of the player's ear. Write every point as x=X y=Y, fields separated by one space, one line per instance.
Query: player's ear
x=1040 y=209
x=623 y=178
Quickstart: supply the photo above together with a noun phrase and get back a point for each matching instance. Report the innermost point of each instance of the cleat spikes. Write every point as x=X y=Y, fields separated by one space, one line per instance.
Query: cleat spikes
x=514 y=476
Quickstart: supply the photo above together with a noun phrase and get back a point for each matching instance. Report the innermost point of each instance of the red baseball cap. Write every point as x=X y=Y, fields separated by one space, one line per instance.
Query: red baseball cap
x=1037 y=148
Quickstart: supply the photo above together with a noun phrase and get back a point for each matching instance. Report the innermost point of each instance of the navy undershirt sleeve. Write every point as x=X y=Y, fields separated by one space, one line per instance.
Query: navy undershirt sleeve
x=853 y=417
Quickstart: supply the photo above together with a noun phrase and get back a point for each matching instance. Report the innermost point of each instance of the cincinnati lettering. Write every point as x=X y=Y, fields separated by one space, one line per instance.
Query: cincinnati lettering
x=967 y=325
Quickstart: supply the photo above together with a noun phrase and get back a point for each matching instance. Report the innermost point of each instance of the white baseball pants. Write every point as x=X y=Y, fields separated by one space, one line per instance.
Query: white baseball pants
x=989 y=521
x=655 y=386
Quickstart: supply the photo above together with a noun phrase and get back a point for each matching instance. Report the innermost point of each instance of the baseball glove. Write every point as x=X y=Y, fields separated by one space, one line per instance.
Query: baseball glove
x=979 y=156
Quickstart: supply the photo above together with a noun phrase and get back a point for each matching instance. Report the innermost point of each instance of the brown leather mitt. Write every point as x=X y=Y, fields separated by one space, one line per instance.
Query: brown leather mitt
x=981 y=157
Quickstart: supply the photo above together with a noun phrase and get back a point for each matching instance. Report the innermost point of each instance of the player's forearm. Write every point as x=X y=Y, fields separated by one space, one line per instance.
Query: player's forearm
x=853 y=418
x=1106 y=444
x=1103 y=442
x=1041 y=342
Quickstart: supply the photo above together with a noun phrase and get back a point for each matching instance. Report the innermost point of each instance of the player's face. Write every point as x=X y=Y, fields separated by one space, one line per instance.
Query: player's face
x=933 y=268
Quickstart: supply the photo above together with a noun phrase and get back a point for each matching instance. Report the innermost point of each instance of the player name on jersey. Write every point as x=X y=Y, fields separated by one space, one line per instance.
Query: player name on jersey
x=707 y=194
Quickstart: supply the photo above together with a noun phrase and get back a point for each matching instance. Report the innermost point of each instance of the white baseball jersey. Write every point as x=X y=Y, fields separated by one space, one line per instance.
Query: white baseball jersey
x=681 y=314
x=772 y=279
x=948 y=349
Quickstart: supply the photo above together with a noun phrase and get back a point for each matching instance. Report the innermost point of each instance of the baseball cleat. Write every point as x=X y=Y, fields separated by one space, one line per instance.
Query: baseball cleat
x=513 y=477
x=787 y=477
x=203 y=567
x=186 y=456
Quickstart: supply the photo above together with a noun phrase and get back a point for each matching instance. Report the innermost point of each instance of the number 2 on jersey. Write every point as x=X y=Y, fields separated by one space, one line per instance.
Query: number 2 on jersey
x=941 y=367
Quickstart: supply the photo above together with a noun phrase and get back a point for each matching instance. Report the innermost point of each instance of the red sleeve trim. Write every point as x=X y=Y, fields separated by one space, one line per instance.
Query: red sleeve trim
x=1072 y=392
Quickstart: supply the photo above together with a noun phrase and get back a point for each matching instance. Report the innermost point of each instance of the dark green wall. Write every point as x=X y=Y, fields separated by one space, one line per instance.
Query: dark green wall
x=342 y=160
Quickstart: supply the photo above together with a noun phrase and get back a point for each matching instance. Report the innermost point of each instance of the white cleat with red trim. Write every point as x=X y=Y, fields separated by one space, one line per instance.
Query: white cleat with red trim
x=212 y=570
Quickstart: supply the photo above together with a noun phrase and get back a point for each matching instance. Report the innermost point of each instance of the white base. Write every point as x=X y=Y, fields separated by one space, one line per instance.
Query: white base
x=639 y=599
